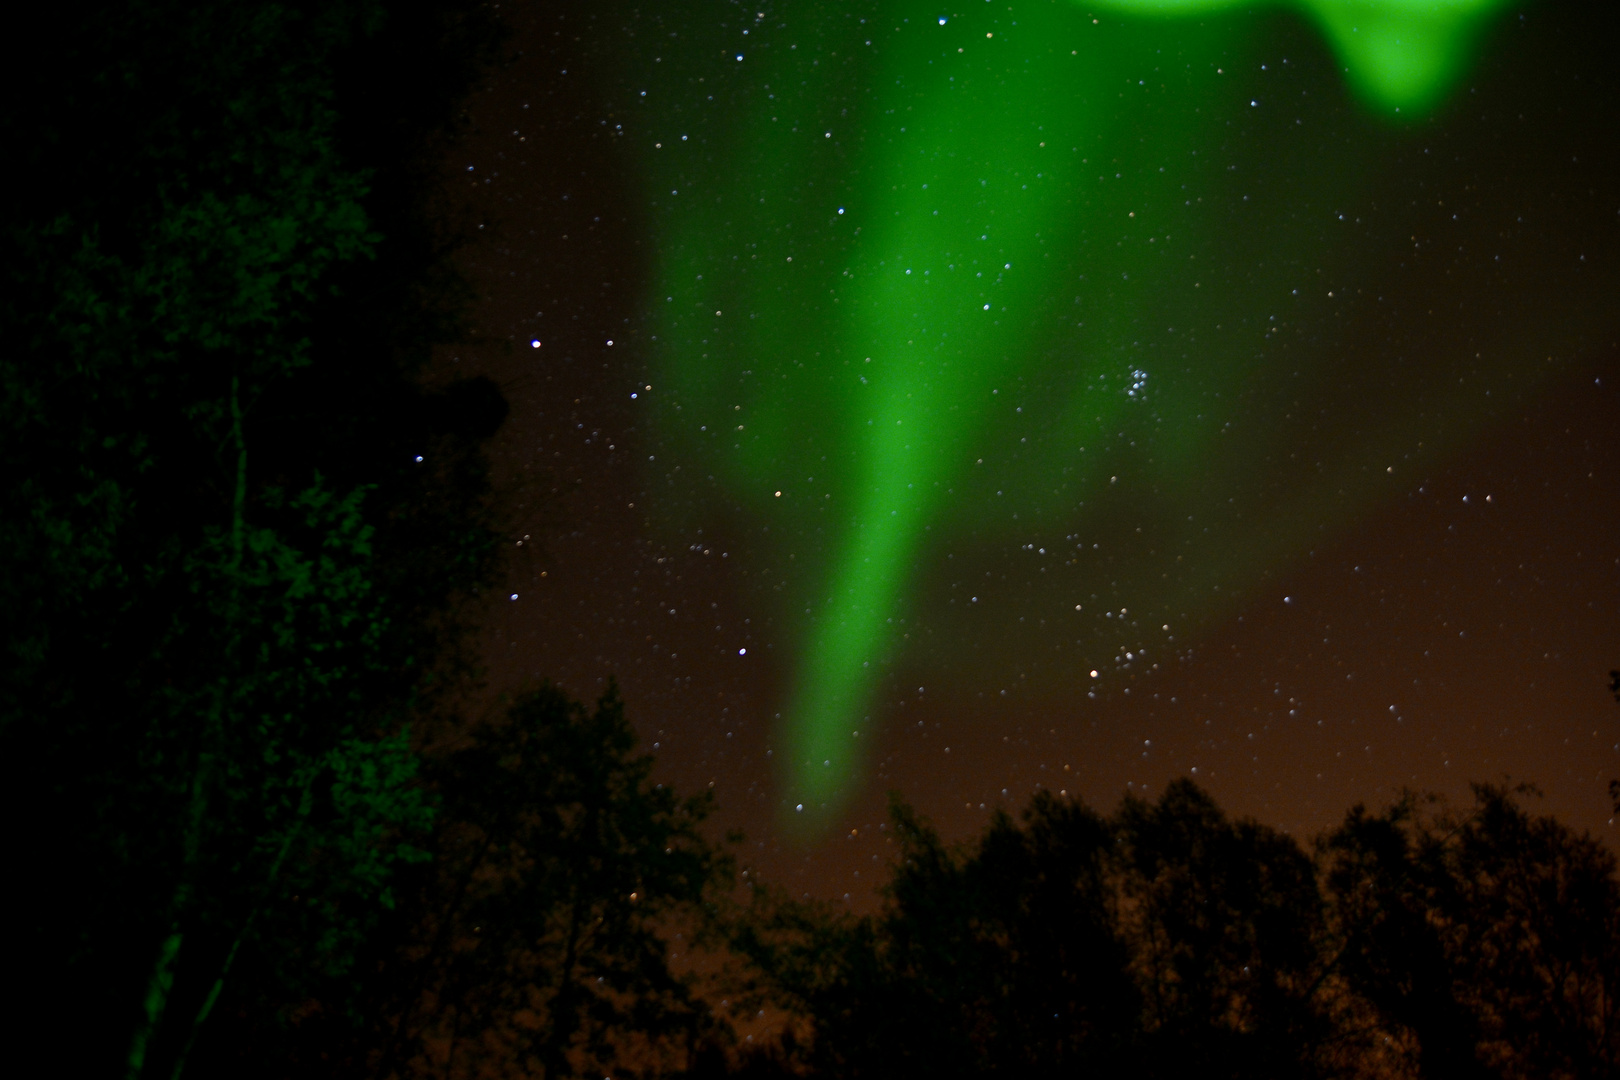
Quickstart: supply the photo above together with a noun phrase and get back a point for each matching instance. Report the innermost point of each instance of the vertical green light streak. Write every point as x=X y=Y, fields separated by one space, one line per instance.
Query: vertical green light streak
x=855 y=274
x=947 y=288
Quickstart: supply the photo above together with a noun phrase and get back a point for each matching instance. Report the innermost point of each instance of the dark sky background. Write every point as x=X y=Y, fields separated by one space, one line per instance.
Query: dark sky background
x=1459 y=625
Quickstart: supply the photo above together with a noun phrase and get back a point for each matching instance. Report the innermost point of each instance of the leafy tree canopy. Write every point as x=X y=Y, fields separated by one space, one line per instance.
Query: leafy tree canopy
x=233 y=524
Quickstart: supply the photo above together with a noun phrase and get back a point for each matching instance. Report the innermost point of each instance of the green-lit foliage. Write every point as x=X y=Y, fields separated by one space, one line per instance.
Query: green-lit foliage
x=218 y=288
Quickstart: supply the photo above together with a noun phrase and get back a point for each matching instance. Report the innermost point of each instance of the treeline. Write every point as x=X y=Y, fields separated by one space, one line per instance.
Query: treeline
x=1167 y=940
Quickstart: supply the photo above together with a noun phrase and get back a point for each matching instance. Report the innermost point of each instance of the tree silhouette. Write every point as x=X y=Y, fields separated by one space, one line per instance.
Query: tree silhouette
x=215 y=627
x=538 y=944
x=1224 y=920
x=1493 y=937
x=1168 y=940
x=1161 y=940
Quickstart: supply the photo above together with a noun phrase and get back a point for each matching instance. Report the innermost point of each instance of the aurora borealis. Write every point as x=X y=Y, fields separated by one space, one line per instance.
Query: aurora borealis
x=1396 y=54
x=886 y=267
x=1246 y=309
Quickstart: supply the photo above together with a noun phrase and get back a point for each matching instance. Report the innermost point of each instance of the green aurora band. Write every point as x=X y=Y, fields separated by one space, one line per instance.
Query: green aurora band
x=920 y=269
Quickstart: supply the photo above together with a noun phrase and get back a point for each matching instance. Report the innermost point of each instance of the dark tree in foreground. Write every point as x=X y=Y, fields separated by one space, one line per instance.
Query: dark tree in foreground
x=1007 y=959
x=226 y=579
x=1167 y=940
x=1491 y=937
x=1224 y=922
x=1164 y=941
x=537 y=942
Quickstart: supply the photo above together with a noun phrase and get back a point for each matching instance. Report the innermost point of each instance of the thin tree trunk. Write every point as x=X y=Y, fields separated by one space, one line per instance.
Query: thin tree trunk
x=157 y=997
x=214 y=991
x=564 y=1011
x=161 y=981
x=440 y=940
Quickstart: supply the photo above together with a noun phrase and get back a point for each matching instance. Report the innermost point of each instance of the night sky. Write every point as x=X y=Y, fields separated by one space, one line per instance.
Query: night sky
x=1281 y=451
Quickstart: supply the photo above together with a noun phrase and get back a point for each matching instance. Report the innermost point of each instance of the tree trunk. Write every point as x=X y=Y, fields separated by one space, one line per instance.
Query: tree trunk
x=161 y=981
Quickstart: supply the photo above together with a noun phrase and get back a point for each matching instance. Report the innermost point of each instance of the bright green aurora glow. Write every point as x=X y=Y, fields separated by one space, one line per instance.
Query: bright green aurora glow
x=927 y=278
x=1397 y=53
